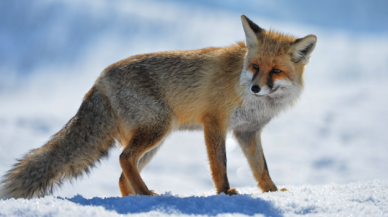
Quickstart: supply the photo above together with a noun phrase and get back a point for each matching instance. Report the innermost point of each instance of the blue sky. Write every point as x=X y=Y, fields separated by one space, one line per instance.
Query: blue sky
x=35 y=34
x=348 y=15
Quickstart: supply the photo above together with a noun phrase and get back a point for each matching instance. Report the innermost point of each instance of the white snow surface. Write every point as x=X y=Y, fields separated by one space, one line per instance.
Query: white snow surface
x=336 y=133
x=355 y=199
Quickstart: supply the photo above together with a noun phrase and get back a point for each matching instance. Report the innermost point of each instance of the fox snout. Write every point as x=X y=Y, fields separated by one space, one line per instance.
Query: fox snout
x=260 y=91
x=261 y=84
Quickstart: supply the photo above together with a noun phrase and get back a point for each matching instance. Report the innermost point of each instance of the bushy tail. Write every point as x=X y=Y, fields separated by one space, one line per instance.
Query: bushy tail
x=84 y=140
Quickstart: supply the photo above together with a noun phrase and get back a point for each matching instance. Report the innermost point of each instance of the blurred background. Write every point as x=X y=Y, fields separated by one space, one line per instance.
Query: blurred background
x=51 y=52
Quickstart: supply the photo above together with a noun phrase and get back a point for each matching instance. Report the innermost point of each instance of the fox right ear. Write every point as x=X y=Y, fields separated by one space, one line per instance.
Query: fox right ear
x=251 y=32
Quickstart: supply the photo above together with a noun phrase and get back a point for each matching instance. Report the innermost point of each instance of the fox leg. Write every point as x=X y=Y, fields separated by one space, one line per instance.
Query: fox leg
x=125 y=188
x=215 y=143
x=250 y=143
x=146 y=158
x=143 y=140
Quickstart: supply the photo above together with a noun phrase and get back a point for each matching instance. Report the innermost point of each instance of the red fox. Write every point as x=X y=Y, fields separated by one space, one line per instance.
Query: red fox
x=138 y=101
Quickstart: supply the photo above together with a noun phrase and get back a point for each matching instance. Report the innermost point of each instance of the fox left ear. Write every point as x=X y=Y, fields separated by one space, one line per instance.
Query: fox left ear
x=302 y=48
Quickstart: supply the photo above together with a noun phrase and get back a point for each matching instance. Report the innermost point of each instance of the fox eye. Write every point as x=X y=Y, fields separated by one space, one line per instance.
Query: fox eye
x=255 y=66
x=276 y=71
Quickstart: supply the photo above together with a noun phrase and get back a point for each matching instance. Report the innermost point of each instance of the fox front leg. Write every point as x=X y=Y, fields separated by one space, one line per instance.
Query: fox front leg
x=250 y=143
x=215 y=144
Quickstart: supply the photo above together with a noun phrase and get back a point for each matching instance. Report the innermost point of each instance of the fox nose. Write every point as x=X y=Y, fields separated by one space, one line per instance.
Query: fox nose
x=255 y=88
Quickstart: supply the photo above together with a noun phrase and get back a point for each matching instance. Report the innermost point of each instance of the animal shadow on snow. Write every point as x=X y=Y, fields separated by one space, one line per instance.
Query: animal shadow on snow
x=197 y=205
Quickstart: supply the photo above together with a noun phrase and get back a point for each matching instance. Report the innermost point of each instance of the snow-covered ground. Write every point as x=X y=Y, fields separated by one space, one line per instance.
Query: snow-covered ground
x=354 y=199
x=336 y=133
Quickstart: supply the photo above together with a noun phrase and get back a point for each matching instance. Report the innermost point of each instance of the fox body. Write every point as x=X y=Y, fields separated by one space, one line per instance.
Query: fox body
x=140 y=100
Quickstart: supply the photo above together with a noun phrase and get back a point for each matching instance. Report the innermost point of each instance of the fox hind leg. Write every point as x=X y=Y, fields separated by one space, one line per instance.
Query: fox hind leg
x=146 y=158
x=124 y=185
x=144 y=139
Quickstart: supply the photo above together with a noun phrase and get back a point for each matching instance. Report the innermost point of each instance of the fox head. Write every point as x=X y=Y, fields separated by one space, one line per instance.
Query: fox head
x=274 y=62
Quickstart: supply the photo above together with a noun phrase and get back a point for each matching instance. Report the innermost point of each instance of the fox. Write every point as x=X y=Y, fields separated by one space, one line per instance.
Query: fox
x=138 y=101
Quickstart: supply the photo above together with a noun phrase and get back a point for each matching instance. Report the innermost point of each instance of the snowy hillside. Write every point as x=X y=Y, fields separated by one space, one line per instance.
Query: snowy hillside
x=354 y=199
x=51 y=52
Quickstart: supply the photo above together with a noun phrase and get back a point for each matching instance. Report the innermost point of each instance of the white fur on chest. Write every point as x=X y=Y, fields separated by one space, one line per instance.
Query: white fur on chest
x=257 y=111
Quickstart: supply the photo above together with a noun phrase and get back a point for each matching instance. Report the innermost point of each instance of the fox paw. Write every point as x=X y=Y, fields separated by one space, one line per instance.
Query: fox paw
x=153 y=193
x=232 y=191
x=284 y=189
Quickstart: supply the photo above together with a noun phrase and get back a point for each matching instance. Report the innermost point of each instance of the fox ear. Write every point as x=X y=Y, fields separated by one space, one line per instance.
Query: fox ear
x=251 y=32
x=302 y=48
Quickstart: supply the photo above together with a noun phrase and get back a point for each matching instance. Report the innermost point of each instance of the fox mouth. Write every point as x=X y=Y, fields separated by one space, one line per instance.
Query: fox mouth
x=271 y=92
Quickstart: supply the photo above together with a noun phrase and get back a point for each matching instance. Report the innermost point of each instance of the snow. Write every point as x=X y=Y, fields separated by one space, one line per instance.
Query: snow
x=355 y=199
x=336 y=132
